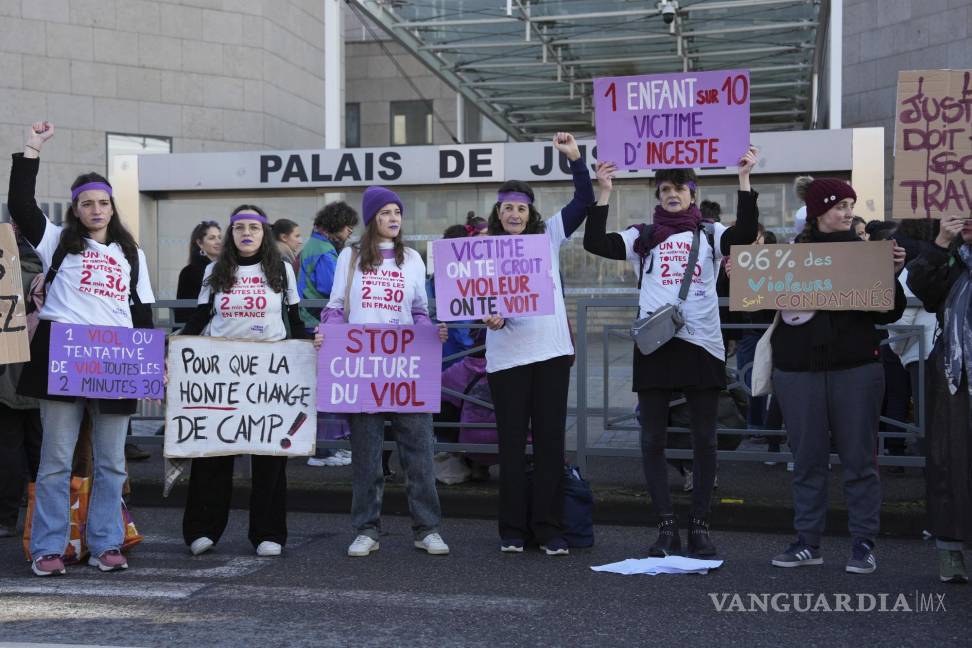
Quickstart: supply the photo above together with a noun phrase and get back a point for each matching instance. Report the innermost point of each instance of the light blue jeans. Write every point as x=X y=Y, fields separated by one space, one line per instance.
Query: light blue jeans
x=52 y=519
x=413 y=432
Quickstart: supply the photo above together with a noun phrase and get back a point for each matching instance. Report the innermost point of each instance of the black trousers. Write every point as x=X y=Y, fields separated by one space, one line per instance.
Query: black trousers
x=20 y=444
x=210 y=491
x=531 y=398
x=703 y=410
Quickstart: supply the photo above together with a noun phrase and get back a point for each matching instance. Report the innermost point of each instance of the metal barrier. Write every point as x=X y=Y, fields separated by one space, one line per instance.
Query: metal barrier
x=616 y=419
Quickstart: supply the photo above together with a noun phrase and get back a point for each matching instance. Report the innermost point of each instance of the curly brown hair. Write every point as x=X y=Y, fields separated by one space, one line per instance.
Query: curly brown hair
x=224 y=272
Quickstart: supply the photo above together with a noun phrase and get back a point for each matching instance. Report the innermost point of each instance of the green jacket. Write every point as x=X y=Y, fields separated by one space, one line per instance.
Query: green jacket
x=318 y=260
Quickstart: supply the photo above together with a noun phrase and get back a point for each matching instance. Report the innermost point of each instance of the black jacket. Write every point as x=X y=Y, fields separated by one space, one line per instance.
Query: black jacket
x=189 y=286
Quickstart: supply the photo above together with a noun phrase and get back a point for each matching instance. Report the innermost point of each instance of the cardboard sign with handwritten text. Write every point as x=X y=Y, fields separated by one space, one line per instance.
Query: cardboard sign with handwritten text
x=933 y=144
x=812 y=276
x=14 y=345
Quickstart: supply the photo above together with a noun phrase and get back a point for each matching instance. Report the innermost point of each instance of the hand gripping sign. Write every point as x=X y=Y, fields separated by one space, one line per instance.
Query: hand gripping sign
x=663 y=121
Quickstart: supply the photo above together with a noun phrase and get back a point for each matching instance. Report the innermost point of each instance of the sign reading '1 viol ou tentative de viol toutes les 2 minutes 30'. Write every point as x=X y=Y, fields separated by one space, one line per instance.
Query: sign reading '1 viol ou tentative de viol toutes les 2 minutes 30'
x=813 y=276
x=476 y=277
x=680 y=120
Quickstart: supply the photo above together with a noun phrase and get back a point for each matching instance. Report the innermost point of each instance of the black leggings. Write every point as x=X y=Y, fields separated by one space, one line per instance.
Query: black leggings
x=703 y=409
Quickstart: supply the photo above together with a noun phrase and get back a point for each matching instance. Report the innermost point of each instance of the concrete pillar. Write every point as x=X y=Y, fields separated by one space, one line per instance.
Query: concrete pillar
x=333 y=74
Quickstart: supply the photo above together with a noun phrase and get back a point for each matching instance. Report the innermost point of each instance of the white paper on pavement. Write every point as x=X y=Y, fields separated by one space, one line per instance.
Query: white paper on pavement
x=655 y=566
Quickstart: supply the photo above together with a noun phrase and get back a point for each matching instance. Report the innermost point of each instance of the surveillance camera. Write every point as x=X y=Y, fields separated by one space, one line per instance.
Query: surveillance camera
x=667 y=12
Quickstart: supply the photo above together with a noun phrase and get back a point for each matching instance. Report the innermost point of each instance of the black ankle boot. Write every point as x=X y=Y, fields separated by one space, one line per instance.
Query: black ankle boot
x=668 y=543
x=698 y=538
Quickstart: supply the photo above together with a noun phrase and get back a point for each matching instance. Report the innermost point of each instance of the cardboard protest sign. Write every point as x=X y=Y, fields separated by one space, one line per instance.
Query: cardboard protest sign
x=106 y=361
x=240 y=397
x=933 y=144
x=663 y=121
x=14 y=343
x=379 y=368
x=812 y=276
x=493 y=275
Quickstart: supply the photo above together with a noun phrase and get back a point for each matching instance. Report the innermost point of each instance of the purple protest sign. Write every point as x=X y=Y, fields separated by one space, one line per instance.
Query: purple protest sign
x=106 y=361
x=664 y=121
x=379 y=368
x=492 y=275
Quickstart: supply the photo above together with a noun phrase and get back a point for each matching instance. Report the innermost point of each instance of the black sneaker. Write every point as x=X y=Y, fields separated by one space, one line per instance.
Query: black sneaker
x=699 y=543
x=668 y=543
x=862 y=559
x=556 y=547
x=798 y=554
x=511 y=545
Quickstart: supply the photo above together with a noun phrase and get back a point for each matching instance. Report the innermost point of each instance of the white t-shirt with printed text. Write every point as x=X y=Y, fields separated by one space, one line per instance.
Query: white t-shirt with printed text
x=387 y=295
x=91 y=287
x=250 y=310
x=661 y=286
x=525 y=340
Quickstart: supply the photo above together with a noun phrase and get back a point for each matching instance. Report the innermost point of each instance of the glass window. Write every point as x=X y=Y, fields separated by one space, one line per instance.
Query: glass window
x=130 y=144
x=352 y=125
x=411 y=122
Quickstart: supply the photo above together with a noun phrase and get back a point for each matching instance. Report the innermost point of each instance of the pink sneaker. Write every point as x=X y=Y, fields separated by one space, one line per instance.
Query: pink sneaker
x=50 y=565
x=110 y=560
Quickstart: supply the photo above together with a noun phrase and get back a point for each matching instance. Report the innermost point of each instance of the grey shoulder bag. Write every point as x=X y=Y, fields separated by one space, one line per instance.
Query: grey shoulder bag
x=651 y=332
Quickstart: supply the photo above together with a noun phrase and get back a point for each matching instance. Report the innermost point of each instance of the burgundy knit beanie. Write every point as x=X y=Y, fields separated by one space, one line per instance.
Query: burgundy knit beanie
x=824 y=193
x=375 y=197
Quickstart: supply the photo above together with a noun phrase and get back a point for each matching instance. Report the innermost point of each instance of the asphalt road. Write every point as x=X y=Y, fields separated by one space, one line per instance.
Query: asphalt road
x=316 y=596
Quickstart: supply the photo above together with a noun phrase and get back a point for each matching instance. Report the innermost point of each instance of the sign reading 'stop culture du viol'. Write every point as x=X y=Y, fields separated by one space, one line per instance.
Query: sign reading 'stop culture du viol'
x=660 y=121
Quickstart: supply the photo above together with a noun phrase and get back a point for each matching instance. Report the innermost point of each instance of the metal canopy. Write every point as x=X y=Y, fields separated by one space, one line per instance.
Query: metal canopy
x=528 y=65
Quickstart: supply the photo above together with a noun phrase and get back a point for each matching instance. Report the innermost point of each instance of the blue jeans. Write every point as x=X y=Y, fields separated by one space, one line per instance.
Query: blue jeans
x=51 y=523
x=745 y=354
x=413 y=433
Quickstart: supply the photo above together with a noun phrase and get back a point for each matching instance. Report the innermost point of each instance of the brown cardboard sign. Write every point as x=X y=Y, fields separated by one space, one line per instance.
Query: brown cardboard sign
x=933 y=144
x=14 y=344
x=812 y=276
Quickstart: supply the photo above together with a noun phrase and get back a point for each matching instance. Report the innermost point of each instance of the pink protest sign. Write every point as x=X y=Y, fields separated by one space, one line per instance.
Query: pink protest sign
x=492 y=275
x=379 y=368
x=105 y=361
x=664 y=121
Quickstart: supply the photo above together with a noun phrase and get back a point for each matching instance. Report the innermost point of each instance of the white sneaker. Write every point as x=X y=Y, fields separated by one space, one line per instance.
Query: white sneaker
x=267 y=548
x=433 y=544
x=687 y=484
x=344 y=455
x=336 y=459
x=200 y=546
x=362 y=546
x=317 y=463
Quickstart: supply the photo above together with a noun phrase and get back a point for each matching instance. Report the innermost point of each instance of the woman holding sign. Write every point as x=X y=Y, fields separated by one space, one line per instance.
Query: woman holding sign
x=941 y=278
x=829 y=380
x=528 y=363
x=96 y=275
x=694 y=360
x=380 y=281
x=249 y=293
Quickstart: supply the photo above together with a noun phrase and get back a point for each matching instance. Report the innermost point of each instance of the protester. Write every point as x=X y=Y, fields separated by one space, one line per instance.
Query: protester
x=528 y=363
x=249 y=258
x=333 y=226
x=711 y=211
x=289 y=240
x=859 y=226
x=694 y=361
x=20 y=434
x=828 y=377
x=205 y=244
x=381 y=250
x=942 y=279
x=93 y=230
x=476 y=225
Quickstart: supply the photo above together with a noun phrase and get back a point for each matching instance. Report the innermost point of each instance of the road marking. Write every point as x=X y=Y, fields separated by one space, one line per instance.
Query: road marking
x=52 y=586
x=24 y=644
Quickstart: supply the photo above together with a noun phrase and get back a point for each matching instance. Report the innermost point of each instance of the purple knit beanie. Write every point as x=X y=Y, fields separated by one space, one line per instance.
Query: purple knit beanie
x=376 y=197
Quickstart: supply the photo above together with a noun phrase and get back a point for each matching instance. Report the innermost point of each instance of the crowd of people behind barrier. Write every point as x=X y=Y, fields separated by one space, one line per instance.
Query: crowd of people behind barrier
x=831 y=376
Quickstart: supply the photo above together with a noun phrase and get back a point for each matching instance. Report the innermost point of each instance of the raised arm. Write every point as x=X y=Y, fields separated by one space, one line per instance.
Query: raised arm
x=596 y=239
x=23 y=179
x=744 y=231
x=573 y=213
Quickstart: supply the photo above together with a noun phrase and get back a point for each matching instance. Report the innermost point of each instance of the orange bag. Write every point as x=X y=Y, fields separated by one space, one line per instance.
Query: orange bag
x=77 y=549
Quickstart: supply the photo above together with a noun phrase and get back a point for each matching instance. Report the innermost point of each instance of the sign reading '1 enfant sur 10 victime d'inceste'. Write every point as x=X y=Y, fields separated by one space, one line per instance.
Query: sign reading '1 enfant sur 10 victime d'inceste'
x=660 y=121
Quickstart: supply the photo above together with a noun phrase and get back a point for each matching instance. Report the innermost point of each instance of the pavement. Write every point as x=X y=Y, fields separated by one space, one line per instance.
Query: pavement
x=314 y=595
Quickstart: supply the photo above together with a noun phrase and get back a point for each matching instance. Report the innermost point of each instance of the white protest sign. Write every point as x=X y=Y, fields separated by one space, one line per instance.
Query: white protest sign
x=228 y=397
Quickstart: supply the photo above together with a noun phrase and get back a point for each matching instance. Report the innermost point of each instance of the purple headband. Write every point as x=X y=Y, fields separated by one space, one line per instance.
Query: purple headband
x=514 y=196
x=247 y=215
x=89 y=186
x=691 y=185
